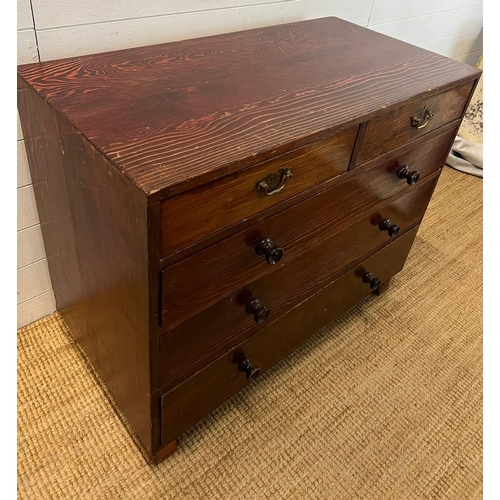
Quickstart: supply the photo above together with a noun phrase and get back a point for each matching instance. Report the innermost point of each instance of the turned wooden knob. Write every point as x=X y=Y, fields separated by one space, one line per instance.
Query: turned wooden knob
x=374 y=282
x=260 y=312
x=272 y=252
x=387 y=225
x=411 y=176
x=251 y=371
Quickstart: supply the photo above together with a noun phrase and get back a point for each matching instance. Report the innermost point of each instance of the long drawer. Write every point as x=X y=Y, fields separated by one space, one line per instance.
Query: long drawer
x=203 y=211
x=205 y=278
x=203 y=338
x=190 y=401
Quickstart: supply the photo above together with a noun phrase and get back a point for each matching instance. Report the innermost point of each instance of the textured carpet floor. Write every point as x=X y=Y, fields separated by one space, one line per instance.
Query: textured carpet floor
x=385 y=403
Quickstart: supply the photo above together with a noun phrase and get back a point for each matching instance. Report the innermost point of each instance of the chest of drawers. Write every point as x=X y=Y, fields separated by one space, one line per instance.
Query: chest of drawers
x=207 y=205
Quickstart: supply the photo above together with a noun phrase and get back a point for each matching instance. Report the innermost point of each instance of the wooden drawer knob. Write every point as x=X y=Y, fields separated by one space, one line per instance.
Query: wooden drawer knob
x=374 y=282
x=272 y=252
x=387 y=225
x=411 y=176
x=260 y=312
x=251 y=371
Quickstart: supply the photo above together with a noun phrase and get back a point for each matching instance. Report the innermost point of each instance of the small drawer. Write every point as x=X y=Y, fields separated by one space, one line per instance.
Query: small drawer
x=205 y=278
x=411 y=121
x=203 y=338
x=201 y=212
x=190 y=401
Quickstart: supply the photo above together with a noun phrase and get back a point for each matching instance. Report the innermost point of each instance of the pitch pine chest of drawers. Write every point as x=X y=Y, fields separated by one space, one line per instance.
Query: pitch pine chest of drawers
x=207 y=205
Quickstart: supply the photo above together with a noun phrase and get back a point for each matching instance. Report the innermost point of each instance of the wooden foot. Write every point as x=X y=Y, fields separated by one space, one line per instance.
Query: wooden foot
x=382 y=288
x=165 y=452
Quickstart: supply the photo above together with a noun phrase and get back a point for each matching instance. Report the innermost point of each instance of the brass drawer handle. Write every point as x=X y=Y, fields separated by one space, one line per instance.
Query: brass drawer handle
x=421 y=120
x=274 y=182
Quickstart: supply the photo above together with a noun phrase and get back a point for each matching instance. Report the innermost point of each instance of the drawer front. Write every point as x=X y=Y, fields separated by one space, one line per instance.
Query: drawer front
x=209 y=276
x=190 y=401
x=203 y=338
x=411 y=121
x=201 y=212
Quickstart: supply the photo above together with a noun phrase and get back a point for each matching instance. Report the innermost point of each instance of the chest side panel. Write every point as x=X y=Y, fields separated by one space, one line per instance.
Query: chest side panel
x=94 y=223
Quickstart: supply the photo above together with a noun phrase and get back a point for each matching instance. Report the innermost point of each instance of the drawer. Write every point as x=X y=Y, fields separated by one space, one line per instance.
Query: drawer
x=190 y=401
x=201 y=212
x=209 y=276
x=203 y=338
x=411 y=121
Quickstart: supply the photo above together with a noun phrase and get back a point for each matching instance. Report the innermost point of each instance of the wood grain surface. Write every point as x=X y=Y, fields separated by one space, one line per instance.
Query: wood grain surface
x=204 y=391
x=198 y=213
x=201 y=280
x=202 y=339
x=94 y=224
x=392 y=129
x=176 y=115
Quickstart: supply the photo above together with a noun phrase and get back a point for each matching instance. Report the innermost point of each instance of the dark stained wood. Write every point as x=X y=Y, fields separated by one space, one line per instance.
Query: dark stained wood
x=103 y=215
x=153 y=247
x=39 y=125
x=382 y=288
x=164 y=452
x=423 y=155
x=203 y=279
x=145 y=163
x=200 y=212
x=197 y=342
x=357 y=145
x=199 y=395
x=393 y=129
x=176 y=115
x=411 y=154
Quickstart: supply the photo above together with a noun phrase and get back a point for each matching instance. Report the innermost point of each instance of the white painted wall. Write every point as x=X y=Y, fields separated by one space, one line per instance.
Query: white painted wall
x=52 y=29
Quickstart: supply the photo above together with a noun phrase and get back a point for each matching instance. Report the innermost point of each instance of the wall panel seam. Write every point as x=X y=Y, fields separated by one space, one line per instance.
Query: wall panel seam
x=451 y=36
x=423 y=15
x=32 y=263
x=111 y=21
x=32 y=225
x=467 y=53
x=35 y=296
x=34 y=29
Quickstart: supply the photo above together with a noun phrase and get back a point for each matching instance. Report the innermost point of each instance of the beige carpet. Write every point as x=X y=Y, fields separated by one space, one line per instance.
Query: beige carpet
x=385 y=403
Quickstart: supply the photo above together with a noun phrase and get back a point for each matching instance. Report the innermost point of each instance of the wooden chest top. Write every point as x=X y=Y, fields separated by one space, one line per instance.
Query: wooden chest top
x=175 y=115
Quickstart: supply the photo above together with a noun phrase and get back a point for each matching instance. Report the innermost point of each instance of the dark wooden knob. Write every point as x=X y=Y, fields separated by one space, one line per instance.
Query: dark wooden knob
x=260 y=313
x=387 y=225
x=411 y=176
x=374 y=282
x=272 y=252
x=251 y=371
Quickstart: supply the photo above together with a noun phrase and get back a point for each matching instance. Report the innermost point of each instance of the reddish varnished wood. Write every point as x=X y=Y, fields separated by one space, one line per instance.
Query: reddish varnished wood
x=423 y=155
x=39 y=123
x=95 y=233
x=113 y=138
x=199 y=395
x=394 y=128
x=175 y=115
x=418 y=153
x=212 y=332
x=198 y=213
x=203 y=279
x=382 y=288
x=164 y=452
